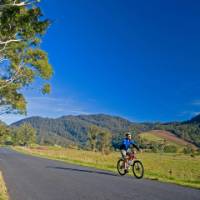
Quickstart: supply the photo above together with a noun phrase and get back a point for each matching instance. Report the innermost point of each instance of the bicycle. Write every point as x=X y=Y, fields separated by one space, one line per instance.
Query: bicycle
x=137 y=166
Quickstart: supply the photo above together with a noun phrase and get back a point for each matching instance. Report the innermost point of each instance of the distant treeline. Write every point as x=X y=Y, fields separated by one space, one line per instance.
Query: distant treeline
x=24 y=135
x=99 y=139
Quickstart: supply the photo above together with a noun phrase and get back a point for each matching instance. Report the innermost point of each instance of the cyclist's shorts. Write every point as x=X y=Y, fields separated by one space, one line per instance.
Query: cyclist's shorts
x=123 y=152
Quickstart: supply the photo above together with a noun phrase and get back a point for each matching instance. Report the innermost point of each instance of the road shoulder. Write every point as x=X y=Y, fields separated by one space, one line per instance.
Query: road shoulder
x=3 y=188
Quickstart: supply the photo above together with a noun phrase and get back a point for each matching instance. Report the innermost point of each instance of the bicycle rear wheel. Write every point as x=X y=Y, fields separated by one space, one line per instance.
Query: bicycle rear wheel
x=138 y=169
x=120 y=167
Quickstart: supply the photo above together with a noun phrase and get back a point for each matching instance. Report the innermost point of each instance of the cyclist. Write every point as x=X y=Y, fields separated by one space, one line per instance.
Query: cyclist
x=127 y=143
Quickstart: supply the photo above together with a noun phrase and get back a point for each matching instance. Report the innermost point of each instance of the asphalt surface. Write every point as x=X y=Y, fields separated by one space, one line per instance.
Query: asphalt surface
x=32 y=178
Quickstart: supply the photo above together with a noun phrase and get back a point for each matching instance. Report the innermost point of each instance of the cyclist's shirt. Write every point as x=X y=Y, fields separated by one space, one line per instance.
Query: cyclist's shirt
x=126 y=144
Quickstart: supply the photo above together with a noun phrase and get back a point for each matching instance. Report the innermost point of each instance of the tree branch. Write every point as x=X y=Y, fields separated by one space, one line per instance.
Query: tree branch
x=3 y=48
x=5 y=43
x=9 y=41
x=23 y=3
x=15 y=76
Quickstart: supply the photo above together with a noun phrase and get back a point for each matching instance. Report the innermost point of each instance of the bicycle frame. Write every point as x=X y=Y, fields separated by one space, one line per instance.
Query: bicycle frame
x=131 y=156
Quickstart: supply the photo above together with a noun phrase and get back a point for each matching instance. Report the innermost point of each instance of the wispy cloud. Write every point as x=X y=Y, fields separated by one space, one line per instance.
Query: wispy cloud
x=11 y=118
x=53 y=107
x=50 y=107
x=189 y=113
x=196 y=113
x=196 y=102
x=193 y=109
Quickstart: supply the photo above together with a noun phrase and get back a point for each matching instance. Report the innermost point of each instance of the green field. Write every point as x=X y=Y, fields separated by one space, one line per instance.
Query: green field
x=175 y=168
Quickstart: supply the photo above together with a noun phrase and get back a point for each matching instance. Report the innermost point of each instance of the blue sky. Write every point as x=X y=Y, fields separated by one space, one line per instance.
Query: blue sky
x=136 y=59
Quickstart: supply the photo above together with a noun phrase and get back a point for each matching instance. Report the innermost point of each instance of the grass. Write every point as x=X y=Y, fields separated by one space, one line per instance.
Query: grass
x=3 y=190
x=174 y=168
x=151 y=137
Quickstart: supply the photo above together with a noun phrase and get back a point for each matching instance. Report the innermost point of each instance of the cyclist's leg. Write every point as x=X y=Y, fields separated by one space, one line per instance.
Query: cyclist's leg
x=123 y=153
x=124 y=156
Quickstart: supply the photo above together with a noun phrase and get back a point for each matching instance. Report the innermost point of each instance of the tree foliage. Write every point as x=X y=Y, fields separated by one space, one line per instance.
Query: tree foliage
x=92 y=136
x=22 y=61
x=105 y=140
x=24 y=135
x=4 y=133
x=99 y=139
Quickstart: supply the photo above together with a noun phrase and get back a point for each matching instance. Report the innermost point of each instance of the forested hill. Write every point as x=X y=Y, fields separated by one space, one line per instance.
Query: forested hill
x=74 y=128
x=68 y=129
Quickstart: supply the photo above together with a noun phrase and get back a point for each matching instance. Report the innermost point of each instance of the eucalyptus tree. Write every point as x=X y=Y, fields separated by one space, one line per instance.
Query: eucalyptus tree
x=92 y=136
x=24 y=135
x=22 y=61
x=105 y=137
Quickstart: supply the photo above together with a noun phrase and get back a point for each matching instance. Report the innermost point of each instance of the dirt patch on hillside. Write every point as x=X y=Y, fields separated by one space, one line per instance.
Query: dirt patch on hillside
x=171 y=137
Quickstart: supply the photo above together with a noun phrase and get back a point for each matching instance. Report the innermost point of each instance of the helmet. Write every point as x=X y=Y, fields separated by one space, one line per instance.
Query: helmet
x=128 y=134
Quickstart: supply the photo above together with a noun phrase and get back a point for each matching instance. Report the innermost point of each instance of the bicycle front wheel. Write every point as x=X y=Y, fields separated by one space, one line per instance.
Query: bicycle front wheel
x=138 y=169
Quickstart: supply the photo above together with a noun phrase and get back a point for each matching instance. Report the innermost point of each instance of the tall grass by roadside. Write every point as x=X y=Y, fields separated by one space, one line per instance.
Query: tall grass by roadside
x=3 y=190
x=175 y=168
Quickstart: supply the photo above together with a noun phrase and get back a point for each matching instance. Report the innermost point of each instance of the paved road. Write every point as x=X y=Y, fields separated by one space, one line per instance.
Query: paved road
x=31 y=178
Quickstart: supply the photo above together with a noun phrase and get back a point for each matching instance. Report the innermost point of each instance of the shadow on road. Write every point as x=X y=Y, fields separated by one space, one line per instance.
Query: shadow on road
x=82 y=170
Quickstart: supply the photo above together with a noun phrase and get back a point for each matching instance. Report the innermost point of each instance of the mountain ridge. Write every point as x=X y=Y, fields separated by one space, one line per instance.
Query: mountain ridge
x=74 y=128
x=195 y=119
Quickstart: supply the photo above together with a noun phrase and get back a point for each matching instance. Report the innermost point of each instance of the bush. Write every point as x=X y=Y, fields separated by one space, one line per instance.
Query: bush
x=188 y=150
x=170 y=149
x=198 y=151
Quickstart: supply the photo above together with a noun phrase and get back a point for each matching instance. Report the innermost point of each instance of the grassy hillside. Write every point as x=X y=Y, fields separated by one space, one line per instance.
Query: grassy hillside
x=188 y=131
x=175 y=168
x=165 y=138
